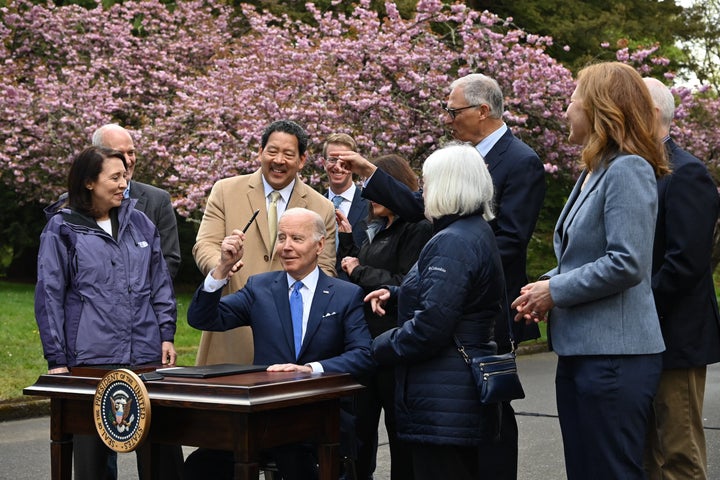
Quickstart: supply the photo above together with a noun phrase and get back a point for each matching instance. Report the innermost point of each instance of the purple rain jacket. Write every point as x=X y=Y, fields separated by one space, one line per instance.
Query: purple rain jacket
x=101 y=301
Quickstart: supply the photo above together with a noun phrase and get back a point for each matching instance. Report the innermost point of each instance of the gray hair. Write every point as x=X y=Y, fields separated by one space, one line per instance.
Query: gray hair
x=663 y=99
x=318 y=223
x=480 y=89
x=457 y=181
x=98 y=136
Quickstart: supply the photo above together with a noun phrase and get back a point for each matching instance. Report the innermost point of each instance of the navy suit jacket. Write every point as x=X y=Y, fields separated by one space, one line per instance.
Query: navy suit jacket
x=155 y=203
x=336 y=336
x=682 y=280
x=357 y=217
x=519 y=180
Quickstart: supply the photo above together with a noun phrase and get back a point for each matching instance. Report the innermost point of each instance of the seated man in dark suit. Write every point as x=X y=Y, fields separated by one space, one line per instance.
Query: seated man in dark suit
x=302 y=320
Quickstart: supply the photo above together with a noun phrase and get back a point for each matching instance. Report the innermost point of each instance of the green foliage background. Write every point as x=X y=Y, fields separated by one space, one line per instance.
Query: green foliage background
x=21 y=356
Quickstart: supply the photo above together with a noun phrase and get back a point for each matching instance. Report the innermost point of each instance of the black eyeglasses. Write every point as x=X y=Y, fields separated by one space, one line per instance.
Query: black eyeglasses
x=454 y=111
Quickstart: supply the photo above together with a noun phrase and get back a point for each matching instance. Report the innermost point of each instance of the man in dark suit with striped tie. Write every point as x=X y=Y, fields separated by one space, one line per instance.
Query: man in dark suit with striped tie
x=343 y=192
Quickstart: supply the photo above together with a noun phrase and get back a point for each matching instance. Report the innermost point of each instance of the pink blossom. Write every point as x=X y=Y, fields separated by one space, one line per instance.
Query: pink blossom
x=197 y=85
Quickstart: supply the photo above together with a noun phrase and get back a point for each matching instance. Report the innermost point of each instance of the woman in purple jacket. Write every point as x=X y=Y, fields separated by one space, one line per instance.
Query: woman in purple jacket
x=104 y=295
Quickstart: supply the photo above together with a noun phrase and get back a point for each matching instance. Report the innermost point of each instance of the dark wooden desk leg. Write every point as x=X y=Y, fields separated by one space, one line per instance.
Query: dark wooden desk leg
x=329 y=447
x=329 y=461
x=60 y=444
x=247 y=471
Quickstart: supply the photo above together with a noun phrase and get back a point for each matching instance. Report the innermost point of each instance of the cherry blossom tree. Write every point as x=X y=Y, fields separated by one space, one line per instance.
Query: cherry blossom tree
x=198 y=84
x=68 y=70
x=197 y=88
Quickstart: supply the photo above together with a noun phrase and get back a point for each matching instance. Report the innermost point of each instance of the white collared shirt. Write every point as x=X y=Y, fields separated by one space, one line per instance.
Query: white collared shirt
x=487 y=143
x=347 y=196
x=284 y=196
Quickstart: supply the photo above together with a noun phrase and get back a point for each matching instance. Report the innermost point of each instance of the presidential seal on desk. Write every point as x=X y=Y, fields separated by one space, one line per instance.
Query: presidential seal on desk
x=121 y=410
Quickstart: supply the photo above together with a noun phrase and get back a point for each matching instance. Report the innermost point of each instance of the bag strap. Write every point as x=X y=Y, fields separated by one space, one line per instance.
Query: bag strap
x=461 y=349
x=464 y=354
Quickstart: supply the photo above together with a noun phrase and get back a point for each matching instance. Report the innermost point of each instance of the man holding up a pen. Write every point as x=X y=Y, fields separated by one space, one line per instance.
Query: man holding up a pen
x=270 y=190
x=302 y=319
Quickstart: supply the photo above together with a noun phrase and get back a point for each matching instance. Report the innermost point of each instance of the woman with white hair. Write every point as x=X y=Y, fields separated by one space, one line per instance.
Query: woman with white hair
x=456 y=289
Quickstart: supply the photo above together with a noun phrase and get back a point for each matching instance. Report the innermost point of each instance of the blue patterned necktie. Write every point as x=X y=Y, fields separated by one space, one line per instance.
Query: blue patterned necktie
x=296 y=313
x=337 y=200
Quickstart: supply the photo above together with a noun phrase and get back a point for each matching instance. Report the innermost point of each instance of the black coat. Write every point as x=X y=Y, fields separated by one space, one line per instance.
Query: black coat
x=682 y=279
x=356 y=216
x=385 y=261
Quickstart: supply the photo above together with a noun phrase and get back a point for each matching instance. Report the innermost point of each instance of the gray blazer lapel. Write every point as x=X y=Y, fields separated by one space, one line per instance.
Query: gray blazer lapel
x=139 y=195
x=580 y=195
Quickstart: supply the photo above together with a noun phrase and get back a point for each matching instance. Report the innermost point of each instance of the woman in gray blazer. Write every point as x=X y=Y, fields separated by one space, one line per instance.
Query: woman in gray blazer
x=602 y=319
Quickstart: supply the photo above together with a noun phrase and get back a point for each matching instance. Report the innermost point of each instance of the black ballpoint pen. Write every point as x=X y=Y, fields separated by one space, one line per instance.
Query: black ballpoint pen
x=251 y=220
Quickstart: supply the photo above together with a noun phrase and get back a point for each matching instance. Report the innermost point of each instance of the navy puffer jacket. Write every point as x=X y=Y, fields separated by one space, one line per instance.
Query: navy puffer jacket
x=455 y=288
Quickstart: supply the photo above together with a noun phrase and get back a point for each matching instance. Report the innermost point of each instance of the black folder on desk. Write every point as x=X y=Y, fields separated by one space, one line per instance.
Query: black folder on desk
x=208 y=371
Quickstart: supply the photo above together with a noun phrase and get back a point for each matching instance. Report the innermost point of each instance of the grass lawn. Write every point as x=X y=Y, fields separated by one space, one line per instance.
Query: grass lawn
x=21 y=356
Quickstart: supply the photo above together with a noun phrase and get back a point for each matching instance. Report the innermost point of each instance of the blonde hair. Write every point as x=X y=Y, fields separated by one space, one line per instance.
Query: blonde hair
x=340 y=139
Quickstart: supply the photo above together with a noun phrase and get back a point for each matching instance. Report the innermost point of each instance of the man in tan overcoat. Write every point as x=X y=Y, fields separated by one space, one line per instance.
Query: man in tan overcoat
x=230 y=206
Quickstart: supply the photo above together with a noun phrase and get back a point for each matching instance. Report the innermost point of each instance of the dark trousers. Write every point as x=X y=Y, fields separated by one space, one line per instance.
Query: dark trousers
x=434 y=462
x=500 y=456
x=378 y=395
x=90 y=460
x=603 y=404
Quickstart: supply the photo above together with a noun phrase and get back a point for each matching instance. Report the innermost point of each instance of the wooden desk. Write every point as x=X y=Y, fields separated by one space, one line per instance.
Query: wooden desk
x=244 y=413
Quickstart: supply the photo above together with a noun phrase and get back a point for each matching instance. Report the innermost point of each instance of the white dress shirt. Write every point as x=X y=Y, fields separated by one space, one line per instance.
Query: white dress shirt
x=347 y=196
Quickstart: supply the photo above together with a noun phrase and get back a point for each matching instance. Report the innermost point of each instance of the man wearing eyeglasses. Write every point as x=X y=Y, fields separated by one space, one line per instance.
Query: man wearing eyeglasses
x=474 y=114
x=342 y=191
